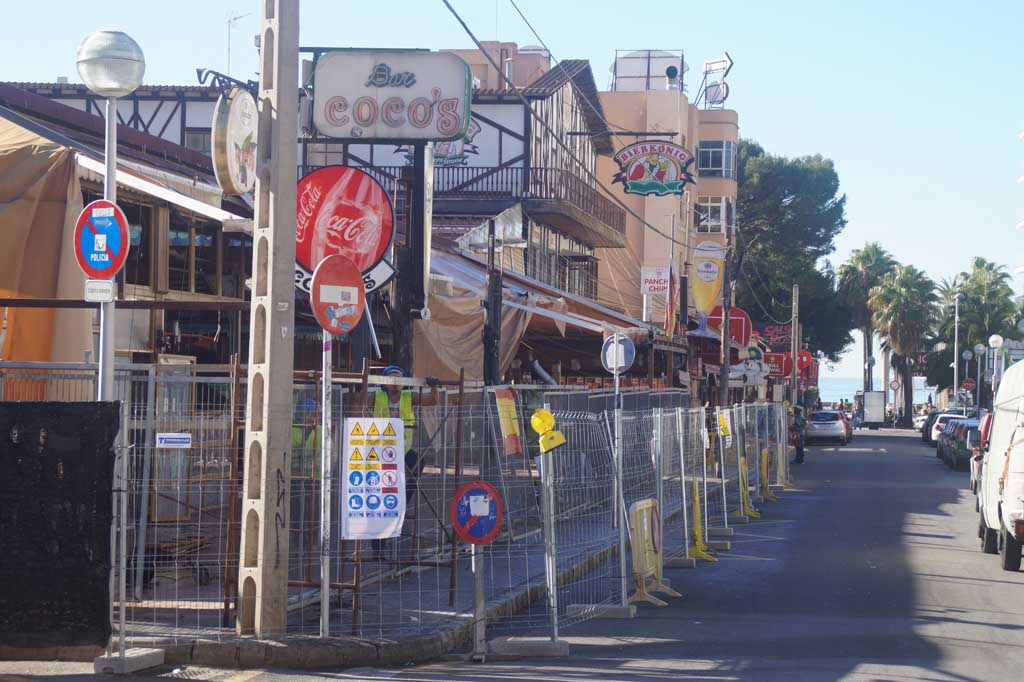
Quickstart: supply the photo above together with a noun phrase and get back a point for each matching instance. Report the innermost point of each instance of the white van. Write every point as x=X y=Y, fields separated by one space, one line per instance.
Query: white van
x=1001 y=493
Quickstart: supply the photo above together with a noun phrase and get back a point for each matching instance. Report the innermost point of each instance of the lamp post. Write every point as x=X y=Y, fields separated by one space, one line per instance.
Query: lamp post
x=979 y=352
x=995 y=342
x=956 y=347
x=110 y=64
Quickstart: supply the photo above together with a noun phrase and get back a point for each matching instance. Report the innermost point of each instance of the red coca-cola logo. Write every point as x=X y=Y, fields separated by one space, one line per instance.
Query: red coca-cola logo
x=344 y=211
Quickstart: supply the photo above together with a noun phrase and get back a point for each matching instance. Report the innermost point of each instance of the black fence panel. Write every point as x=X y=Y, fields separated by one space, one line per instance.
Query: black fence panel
x=56 y=473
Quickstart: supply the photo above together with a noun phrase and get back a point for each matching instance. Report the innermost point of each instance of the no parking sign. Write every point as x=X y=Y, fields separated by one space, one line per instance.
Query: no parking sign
x=101 y=239
x=476 y=512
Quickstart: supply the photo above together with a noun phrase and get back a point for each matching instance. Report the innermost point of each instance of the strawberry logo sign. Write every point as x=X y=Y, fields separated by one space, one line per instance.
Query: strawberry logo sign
x=657 y=168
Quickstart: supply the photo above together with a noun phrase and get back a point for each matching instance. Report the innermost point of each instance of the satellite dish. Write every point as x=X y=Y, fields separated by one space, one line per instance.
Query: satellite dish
x=717 y=92
x=672 y=72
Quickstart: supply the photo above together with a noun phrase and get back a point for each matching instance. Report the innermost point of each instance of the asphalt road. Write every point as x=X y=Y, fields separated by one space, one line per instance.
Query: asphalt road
x=869 y=570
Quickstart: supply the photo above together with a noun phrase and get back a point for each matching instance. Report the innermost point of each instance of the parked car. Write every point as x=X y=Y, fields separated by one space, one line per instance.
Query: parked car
x=919 y=420
x=1001 y=521
x=940 y=422
x=944 y=437
x=978 y=454
x=827 y=425
x=964 y=438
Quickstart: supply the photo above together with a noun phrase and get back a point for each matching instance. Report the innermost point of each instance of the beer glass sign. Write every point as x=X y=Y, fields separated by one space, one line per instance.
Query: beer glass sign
x=706 y=283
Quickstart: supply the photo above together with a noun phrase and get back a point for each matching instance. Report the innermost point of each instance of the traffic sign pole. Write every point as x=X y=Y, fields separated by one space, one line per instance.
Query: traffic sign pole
x=105 y=374
x=325 y=488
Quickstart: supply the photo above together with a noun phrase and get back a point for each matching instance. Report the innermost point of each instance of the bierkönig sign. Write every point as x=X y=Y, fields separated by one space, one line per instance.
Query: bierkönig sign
x=391 y=95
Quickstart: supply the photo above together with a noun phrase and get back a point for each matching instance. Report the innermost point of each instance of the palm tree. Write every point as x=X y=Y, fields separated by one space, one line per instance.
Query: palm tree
x=904 y=310
x=862 y=272
x=987 y=306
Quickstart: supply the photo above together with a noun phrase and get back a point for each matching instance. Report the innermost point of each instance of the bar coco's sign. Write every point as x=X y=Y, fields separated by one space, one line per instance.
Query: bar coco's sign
x=657 y=168
x=391 y=95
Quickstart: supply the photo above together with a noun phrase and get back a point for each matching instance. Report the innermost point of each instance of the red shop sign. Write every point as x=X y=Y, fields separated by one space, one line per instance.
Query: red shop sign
x=341 y=210
x=779 y=364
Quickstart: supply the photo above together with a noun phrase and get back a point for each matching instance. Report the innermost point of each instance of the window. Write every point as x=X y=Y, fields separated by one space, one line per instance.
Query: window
x=137 y=266
x=198 y=140
x=579 y=275
x=711 y=214
x=716 y=159
x=204 y=238
x=178 y=254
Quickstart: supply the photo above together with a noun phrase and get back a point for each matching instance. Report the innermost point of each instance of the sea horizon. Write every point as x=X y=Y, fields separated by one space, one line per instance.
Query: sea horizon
x=833 y=389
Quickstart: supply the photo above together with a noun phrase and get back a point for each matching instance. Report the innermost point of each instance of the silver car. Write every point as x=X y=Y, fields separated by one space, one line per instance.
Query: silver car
x=826 y=425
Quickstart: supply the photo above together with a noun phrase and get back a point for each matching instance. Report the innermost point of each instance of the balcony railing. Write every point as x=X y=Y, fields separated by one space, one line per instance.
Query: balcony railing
x=481 y=182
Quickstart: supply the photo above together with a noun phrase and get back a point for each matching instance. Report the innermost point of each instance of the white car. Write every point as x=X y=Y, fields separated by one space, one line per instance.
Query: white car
x=939 y=423
x=826 y=425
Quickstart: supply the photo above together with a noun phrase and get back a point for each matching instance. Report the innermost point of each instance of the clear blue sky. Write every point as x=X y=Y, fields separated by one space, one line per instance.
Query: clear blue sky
x=919 y=103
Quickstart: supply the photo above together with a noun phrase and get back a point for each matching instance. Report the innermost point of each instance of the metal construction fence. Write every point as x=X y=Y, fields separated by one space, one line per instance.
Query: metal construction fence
x=563 y=553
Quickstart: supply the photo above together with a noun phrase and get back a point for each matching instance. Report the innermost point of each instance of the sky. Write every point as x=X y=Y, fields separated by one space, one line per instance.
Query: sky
x=919 y=103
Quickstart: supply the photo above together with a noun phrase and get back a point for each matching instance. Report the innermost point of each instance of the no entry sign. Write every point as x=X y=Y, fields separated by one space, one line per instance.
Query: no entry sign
x=337 y=296
x=101 y=239
x=476 y=512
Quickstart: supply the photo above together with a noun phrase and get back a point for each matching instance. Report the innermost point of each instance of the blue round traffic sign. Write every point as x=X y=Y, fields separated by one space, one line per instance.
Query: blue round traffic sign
x=372 y=501
x=618 y=353
x=372 y=479
x=476 y=512
x=355 y=502
x=356 y=478
x=101 y=239
x=390 y=501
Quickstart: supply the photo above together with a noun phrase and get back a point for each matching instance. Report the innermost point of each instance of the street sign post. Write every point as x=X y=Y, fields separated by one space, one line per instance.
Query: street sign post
x=476 y=513
x=337 y=295
x=101 y=239
x=969 y=384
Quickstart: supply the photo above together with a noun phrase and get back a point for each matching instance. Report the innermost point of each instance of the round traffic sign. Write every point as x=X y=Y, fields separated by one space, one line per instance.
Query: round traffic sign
x=894 y=385
x=476 y=512
x=970 y=383
x=740 y=325
x=618 y=353
x=804 y=359
x=337 y=295
x=101 y=239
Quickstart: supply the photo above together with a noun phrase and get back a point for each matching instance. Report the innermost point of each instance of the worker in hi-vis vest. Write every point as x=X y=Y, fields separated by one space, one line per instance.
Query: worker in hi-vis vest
x=394 y=401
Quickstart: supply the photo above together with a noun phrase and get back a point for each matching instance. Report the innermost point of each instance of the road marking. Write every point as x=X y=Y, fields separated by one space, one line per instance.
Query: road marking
x=244 y=676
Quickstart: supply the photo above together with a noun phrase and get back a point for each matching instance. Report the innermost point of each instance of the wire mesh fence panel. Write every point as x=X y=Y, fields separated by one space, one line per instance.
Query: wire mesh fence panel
x=585 y=537
x=672 y=493
x=731 y=446
x=715 y=471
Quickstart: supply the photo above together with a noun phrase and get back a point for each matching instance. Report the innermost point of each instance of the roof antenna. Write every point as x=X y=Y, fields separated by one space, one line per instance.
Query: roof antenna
x=233 y=19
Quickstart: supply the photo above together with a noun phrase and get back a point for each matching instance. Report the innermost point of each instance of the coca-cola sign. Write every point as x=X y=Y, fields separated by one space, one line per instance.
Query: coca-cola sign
x=342 y=210
x=394 y=95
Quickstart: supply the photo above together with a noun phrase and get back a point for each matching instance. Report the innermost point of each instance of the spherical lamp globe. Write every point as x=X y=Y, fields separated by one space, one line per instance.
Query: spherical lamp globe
x=110 y=63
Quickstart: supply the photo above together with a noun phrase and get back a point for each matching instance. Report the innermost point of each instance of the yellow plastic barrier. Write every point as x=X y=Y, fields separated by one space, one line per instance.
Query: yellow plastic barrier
x=699 y=549
x=746 y=509
x=645 y=544
x=766 y=488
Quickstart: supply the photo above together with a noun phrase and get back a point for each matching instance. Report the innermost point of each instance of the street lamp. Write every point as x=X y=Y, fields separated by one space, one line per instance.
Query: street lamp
x=995 y=342
x=956 y=345
x=979 y=352
x=110 y=64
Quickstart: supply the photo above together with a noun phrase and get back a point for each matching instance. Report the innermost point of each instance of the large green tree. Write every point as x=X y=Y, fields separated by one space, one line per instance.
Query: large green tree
x=789 y=212
x=904 y=305
x=861 y=273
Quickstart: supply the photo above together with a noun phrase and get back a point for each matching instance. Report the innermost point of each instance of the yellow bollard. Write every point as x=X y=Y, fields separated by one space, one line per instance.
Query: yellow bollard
x=746 y=508
x=699 y=549
x=766 y=488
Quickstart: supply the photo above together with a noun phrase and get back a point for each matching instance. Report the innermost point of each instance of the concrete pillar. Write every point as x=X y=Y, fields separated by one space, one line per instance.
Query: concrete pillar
x=263 y=572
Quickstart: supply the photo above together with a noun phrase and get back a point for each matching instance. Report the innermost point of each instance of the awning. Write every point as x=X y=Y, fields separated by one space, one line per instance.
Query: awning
x=140 y=183
x=470 y=273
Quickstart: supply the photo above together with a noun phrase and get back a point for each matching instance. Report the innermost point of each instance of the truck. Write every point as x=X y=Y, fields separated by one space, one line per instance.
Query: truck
x=874 y=409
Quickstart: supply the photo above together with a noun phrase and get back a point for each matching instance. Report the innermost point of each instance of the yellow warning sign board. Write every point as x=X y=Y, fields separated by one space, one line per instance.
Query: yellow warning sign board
x=372 y=457
x=373 y=430
x=388 y=431
x=357 y=430
x=356 y=457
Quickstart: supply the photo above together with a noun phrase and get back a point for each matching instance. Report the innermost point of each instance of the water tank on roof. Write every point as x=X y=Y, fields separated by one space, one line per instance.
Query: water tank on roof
x=648 y=70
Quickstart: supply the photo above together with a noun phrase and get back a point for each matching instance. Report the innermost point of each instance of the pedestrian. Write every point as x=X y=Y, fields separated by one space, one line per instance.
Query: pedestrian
x=396 y=402
x=796 y=433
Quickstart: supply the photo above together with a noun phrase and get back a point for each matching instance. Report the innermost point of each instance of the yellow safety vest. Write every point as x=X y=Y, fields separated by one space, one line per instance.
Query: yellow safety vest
x=382 y=410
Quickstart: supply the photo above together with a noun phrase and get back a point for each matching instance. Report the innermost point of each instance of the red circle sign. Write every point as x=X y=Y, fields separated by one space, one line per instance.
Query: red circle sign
x=337 y=295
x=101 y=239
x=342 y=210
x=476 y=512
x=740 y=326
x=970 y=383
x=804 y=359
